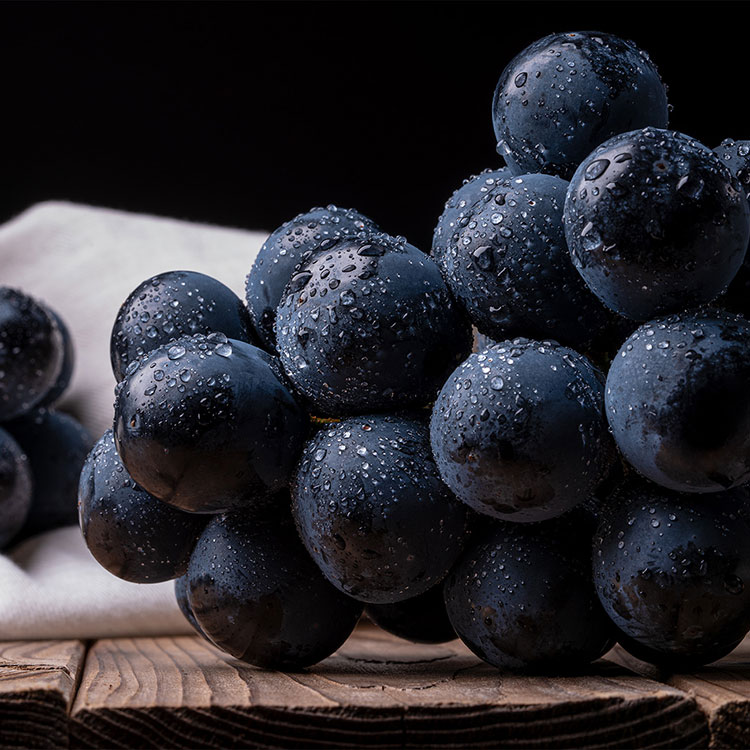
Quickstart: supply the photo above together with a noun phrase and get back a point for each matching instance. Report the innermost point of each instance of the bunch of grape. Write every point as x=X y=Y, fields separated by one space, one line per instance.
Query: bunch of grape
x=41 y=450
x=334 y=446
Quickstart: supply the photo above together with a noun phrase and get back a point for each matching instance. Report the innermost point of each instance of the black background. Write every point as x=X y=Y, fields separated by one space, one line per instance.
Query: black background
x=246 y=114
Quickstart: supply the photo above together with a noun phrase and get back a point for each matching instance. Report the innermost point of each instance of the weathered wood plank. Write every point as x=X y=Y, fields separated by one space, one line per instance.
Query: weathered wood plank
x=722 y=690
x=38 y=680
x=377 y=691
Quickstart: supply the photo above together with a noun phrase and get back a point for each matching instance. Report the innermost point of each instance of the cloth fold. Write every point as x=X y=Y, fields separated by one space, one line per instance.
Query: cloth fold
x=83 y=261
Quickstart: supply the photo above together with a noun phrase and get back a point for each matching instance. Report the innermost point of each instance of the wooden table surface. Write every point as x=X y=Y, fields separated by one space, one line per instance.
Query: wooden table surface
x=377 y=691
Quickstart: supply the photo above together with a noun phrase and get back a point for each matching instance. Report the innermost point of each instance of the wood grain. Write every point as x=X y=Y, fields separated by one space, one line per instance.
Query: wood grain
x=377 y=691
x=721 y=690
x=38 y=680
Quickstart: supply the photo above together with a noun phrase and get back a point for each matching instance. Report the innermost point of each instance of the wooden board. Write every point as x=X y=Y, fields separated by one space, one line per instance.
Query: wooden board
x=377 y=691
x=722 y=691
x=38 y=680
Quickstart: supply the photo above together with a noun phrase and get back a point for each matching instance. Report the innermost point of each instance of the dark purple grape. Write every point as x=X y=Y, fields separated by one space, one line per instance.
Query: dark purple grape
x=519 y=433
x=32 y=353
x=171 y=305
x=655 y=223
x=56 y=445
x=673 y=573
x=510 y=268
x=678 y=401
x=295 y=243
x=369 y=326
x=566 y=93
x=256 y=594
x=521 y=597
x=130 y=533
x=207 y=424
x=372 y=511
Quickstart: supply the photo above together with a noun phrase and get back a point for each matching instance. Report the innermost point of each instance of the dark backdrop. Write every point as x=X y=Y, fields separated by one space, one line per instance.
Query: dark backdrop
x=247 y=113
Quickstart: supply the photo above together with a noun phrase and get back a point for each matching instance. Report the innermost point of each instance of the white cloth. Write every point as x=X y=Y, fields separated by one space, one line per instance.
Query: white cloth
x=83 y=262
x=52 y=588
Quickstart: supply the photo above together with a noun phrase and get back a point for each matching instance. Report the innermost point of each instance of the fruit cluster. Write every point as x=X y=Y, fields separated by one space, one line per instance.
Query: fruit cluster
x=334 y=446
x=41 y=450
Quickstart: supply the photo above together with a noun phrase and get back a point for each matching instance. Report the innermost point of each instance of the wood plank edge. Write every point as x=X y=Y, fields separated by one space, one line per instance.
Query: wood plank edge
x=729 y=725
x=676 y=722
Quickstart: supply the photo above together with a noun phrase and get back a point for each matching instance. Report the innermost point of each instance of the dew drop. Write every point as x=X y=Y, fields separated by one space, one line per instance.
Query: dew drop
x=596 y=169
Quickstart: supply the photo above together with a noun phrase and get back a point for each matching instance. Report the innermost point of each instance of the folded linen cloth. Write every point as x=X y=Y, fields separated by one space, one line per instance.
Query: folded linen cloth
x=52 y=588
x=83 y=261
